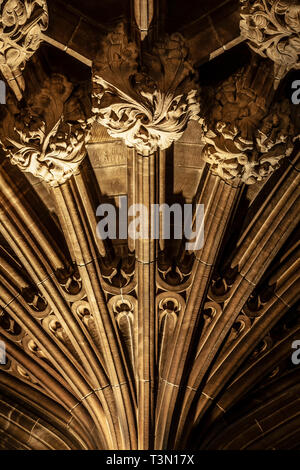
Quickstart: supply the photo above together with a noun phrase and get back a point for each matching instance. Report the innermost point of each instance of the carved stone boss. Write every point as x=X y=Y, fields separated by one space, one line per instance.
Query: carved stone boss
x=47 y=137
x=147 y=104
x=246 y=137
x=21 y=25
x=272 y=28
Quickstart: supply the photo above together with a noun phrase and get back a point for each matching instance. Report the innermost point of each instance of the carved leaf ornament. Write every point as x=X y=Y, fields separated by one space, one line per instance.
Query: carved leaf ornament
x=148 y=106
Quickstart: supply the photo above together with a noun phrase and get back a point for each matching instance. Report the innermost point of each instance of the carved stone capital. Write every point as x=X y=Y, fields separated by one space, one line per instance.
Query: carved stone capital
x=148 y=105
x=47 y=136
x=272 y=28
x=21 y=26
x=246 y=137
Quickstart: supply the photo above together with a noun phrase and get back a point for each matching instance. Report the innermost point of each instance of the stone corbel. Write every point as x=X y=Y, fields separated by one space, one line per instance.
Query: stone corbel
x=21 y=25
x=47 y=136
x=272 y=29
x=246 y=135
x=147 y=102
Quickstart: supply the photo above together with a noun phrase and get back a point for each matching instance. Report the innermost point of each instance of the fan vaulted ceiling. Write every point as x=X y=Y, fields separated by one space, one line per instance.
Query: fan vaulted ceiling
x=142 y=343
